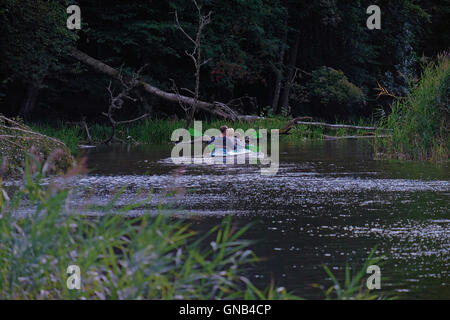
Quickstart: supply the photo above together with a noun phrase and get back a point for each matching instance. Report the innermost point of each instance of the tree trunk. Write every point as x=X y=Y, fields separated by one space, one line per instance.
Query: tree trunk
x=279 y=76
x=339 y=126
x=30 y=99
x=216 y=108
x=290 y=73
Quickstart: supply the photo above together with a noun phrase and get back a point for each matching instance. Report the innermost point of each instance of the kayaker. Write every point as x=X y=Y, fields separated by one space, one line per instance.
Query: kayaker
x=223 y=141
x=230 y=135
x=238 y=141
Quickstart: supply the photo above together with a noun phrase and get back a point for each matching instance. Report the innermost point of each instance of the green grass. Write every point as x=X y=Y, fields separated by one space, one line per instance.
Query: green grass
x=354 y=287
x=159 y=131
x=69 y=134
x=420 y=122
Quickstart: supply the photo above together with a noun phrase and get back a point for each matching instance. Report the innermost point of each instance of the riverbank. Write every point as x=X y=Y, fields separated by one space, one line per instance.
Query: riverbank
x=416 y=128
x=19 y=142
x=159 y=131
x=419 y=124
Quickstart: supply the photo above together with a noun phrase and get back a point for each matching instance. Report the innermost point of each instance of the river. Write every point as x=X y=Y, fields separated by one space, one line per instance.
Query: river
x=330 y=203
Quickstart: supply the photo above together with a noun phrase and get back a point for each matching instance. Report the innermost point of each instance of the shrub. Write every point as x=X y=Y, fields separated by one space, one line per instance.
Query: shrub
x=331 y=88
x=419 y=123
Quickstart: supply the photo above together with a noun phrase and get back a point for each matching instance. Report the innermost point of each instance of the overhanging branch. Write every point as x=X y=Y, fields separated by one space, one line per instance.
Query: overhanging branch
x=215 y=108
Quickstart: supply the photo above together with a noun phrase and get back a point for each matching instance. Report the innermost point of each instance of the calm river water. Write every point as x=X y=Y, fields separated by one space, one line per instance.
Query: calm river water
x=330 y=203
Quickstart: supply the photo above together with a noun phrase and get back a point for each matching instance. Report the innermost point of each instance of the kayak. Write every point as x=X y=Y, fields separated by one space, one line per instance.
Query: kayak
x=221 y=155
x=240 y=152
x=221 y=152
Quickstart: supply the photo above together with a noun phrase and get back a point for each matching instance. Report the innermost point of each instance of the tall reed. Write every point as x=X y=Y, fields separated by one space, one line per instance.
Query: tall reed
x=419 y=123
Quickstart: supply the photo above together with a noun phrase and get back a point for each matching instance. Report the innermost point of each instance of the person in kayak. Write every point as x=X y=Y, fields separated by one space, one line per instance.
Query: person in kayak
x=224 y=141
x=239 y=142
x=230 y=135
x=236 y=137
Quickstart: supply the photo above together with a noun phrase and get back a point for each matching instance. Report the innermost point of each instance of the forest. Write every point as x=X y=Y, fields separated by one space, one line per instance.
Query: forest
x=312 y=58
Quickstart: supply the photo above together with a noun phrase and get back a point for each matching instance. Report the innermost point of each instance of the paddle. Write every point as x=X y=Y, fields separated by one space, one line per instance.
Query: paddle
x=256 y=135
x=195 y=133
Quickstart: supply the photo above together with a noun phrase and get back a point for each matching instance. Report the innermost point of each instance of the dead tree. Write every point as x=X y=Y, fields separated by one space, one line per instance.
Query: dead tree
x=339 y=126
x=290 y=124
x=196 y=57
x=116 y=101
x=216 y=108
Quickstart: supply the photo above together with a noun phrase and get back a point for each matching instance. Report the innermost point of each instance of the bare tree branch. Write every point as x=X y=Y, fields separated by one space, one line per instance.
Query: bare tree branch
x=196 y=58
x=116 y=101
x=168 y=96
x=145 y=115
x=181 y=28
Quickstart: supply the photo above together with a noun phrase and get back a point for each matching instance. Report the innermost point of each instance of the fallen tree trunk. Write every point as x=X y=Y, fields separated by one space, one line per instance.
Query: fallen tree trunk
x=288 y=126
x=338 y=126
x=216 y=108
x=11 y=125
x=353 y=137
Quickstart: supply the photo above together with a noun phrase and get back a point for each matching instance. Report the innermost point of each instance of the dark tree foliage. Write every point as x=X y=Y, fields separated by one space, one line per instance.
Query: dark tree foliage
x=33 y=45
x=267 y=49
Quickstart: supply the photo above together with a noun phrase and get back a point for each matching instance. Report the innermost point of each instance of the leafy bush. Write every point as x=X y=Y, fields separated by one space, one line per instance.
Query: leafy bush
x=331 y=88
x=34 y=38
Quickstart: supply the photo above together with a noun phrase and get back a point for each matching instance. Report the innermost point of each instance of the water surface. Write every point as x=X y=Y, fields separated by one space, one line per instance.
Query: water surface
x=330 y=203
